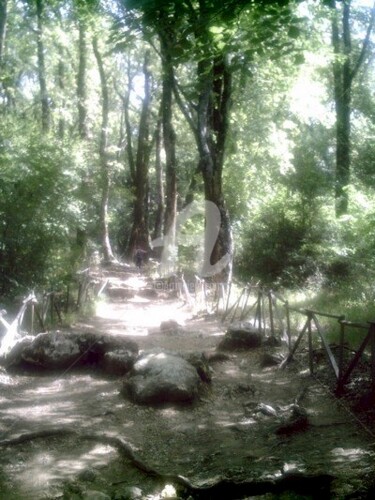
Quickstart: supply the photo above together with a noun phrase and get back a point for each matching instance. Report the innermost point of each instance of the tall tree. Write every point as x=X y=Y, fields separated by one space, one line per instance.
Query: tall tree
x=42 y=76
x=3 y=24
x=203 y=33
x=346 y=65
x=159 y=184
x=103 y=156
x=61 y=87
x=81 y=76
x=167 y=39
x=139 y=236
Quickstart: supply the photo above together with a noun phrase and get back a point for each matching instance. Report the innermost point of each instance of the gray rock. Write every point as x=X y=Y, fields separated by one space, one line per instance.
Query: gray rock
x=53 y=350
x=240 y=337
x=272 y=341
x=161 y=378
x=62 y=349
x=269 y=359
x=266 y=410
x=200 y=362
x=170 y=327
x=88 y=475
x=14 y=356
x=119 y=362
x=297 y=421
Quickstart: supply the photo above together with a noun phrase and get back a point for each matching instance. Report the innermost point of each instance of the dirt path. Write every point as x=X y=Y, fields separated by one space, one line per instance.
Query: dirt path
x=227 y=436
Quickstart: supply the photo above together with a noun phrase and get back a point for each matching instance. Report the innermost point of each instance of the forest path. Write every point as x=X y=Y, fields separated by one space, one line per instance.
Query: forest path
x=228 y=436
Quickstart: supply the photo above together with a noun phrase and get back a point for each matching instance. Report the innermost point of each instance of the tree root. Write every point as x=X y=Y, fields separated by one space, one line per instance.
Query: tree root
x=319 y=485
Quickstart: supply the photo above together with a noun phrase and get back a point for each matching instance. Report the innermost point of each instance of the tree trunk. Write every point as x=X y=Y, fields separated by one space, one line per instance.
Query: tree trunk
x=81 y=78
x=139 y=236
x=214 y=82
x=344 y=72
x=61 y=86
x=3 y=24
x=42 y=68
x=342 y=96
x=193 y=188
x=103 y=155
x=169 y=139
x=159 y=185
x=128 y=130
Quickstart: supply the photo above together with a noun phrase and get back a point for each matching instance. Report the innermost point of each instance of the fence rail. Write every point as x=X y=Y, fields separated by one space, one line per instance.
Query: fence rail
x=268 y=311
x=48 y=309
x=271 y=314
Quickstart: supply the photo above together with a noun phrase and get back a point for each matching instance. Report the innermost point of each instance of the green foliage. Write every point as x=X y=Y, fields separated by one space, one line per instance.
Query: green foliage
x=280 y=248
x=279 y=167
x=38 y=208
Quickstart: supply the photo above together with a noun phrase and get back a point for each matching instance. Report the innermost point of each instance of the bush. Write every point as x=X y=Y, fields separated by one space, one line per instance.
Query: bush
x=280 y=248
x=38 y=212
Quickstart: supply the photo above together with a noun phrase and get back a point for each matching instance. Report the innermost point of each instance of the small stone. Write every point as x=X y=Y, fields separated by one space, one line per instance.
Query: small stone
x=170 y=327
x=266 y=410
x=88 y=475
x=241 y=337
x=269 y=360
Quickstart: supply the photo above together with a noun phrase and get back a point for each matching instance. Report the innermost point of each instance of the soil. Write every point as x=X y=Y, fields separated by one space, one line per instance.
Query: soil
x=231 y=436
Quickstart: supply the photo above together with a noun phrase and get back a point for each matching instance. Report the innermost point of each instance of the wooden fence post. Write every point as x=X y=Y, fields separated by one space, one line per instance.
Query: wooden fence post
x=263 y=322
x=288 y=332
x=32 y=317
x=258 y=312
x=341 y=356
x=228 y=298
x=51 y=303
x=309 y=336
x=67 y=298
x=272 y=326
x=372 y=341
x=246 y=299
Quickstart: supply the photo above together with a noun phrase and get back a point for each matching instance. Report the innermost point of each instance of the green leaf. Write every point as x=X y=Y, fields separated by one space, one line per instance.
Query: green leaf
x=299 y=59
x=294 y=32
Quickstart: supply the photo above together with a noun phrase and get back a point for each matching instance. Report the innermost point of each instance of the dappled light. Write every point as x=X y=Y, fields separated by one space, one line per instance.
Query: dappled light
x=40 y=470
x=348 y=455
x=187 y=265
x=138 y=317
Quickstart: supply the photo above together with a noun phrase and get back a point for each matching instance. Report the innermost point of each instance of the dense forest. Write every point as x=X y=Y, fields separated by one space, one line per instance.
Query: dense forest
x=121 y=119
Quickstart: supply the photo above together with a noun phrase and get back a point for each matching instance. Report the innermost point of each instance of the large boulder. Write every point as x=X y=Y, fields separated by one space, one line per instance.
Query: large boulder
x=13 y=355
x=160 y=377
x=62 y=349
x=241 y=336
x=118 y=362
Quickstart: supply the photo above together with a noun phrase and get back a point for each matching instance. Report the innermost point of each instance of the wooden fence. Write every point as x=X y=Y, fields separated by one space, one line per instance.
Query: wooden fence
x=265 y=309
x=271 y=314
x=40 y=311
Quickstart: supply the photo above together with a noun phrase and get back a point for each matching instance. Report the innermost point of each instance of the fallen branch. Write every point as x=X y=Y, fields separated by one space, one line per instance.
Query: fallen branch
x=224 y=488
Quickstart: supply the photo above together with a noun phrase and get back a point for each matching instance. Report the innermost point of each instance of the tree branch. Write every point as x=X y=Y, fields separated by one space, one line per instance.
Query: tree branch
x=365 y=45
x=177 y=91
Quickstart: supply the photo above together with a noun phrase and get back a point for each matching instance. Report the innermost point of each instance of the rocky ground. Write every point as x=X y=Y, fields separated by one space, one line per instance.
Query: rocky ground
x=254 y=432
